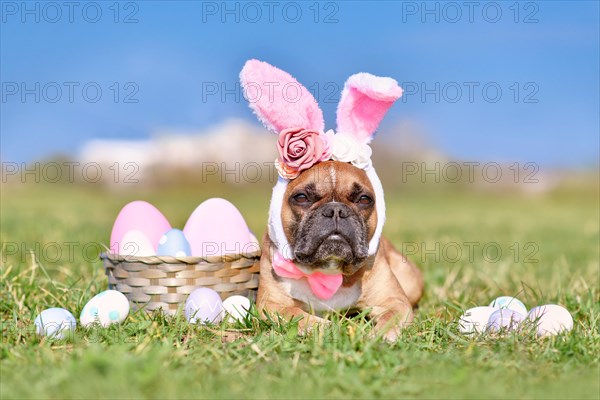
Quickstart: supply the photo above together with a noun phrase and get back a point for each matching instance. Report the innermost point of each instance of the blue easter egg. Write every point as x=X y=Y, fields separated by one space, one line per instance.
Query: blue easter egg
x=55 y=323
x=173 y=243
x=511 y=303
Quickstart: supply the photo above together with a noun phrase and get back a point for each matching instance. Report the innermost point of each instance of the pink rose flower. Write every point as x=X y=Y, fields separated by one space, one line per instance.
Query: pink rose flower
x=286 y=172
x=300 y=149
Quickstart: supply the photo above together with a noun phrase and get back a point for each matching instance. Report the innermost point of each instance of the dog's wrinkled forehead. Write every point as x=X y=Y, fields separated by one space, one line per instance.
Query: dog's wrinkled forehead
x=332 y=179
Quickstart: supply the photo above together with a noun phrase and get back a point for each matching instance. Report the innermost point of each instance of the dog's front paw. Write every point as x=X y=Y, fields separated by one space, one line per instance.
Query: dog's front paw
x=389 y=326
x=392 y=335
x=387 y=333
x=312 y=324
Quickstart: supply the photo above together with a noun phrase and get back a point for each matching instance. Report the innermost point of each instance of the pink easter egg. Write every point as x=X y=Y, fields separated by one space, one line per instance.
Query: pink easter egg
x=135 y=243
x=217 y=227
x=140 y=216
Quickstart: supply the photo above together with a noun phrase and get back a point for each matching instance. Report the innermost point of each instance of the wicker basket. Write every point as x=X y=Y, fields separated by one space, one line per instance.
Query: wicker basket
x=164 y=282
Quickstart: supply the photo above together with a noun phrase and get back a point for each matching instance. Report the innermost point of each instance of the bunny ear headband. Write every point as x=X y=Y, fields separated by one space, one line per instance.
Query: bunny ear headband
x=289 y=110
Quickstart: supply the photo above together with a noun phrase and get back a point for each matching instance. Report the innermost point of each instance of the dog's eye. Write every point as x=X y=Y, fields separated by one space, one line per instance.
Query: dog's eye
x=364 y=200
x=301 y=198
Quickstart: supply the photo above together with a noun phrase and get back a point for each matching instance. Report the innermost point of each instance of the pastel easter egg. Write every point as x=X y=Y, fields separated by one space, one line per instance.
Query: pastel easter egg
x=475 y=319
x=254 y=244
x=236 y=307
x=55 y=323
x=203 y=305
x=216 y=227
x=550 y=319
x=140 y=216
x=504 y=319
x=134 y=243
x=173 y=243
x=106 y=308
x=510 y=303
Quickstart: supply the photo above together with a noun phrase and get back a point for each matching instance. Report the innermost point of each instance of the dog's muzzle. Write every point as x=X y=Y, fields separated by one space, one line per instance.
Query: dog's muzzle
x=332 y=233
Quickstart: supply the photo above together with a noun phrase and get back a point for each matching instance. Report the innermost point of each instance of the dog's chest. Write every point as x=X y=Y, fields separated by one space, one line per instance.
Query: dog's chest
x=344 y=298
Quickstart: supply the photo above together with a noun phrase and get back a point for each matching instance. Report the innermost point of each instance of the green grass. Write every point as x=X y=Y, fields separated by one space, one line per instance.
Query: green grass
x=555 y=260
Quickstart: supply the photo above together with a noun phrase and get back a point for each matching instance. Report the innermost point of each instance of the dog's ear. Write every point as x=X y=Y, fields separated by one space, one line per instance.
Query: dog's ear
x=363 y=104
x=279 y=100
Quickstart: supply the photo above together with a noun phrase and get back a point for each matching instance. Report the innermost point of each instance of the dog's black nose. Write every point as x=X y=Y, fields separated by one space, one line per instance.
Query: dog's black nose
x=335 y=210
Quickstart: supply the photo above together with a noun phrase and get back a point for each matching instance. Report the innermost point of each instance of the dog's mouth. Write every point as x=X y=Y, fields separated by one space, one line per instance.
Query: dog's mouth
x=330 y=255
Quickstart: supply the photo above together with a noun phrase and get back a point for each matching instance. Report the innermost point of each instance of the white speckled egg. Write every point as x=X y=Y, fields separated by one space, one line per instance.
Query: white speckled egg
x=475 y=319
x=173 y=243
x=504 y=319
x=550 y=319
x=108 y=307
x=236 y=307
x=55 y=323
x=509 y=303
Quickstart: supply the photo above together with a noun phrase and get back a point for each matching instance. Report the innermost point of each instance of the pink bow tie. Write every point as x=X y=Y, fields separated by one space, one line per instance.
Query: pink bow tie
x=324 y=286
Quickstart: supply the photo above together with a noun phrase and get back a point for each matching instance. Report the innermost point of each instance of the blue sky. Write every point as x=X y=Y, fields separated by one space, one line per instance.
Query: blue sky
x=542 y=56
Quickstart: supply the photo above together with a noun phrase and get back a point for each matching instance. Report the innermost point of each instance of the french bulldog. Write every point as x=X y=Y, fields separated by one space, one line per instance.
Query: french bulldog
x=324 y=249
x=329 y=217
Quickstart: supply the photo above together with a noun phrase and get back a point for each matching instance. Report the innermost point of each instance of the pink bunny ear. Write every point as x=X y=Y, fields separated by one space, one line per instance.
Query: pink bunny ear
x=365 y=100
x=279 y=100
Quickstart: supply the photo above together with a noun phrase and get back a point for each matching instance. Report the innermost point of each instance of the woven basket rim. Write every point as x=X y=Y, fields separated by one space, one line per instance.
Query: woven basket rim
x=225 y=258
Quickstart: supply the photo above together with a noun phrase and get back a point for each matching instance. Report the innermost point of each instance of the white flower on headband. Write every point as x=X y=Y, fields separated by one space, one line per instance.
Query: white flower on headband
x=345 y=148
x=300 y=149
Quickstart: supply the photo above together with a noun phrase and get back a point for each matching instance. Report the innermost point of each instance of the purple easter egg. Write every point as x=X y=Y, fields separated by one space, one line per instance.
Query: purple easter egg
x=204 y=305
x=504 y=319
